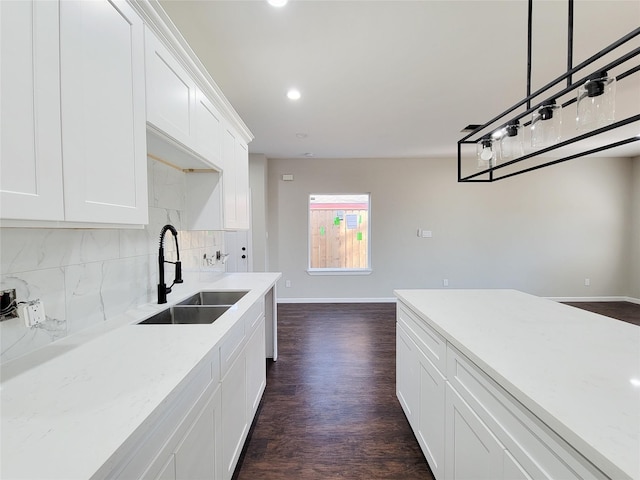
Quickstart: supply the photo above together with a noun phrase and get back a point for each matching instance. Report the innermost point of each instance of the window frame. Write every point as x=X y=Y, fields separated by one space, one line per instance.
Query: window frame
x=338 y=271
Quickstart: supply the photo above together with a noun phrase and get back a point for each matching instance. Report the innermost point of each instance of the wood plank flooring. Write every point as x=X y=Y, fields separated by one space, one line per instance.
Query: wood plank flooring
x=625 y=311
x=330 y=408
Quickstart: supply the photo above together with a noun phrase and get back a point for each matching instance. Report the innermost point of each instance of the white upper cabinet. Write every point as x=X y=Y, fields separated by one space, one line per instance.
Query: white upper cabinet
x=242 y=185
x=103 y=112
x=171 y=93
x=178 y=111
x=30 y=150
x=235 y=181
x=73 y=115
x=208 y=129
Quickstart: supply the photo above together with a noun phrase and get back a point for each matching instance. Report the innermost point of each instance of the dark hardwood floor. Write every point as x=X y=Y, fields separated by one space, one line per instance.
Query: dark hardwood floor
x=625 y=311
x=330 y=408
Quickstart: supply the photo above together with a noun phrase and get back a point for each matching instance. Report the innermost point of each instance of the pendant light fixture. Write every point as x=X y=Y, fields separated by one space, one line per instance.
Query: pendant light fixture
x=499 y=142
x=486 y=153
x=511 y=142
x=546 y=124
x=596 y=101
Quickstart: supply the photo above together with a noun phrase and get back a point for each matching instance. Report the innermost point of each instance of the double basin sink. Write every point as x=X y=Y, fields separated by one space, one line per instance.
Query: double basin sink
x=201 y=308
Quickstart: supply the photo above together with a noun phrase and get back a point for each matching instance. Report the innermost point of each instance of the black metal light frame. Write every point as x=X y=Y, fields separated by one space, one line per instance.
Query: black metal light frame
x=568 y=76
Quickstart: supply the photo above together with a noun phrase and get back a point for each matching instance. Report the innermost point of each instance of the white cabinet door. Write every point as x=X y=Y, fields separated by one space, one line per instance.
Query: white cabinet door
x=168 y=471
x=256 y=369
x=229 y=179
x=103 y=112
x=234 y=413
x=512 y=470
x=407 y=376
x=30 y=148
x=242 y=185
x=472 y=451
x=171 y=93
x=235 y=181
x=430 y=418
x=198 y=454
x=208 y=130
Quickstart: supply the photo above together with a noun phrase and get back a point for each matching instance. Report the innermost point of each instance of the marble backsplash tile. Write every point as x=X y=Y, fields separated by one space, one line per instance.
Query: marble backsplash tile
x=84 y=276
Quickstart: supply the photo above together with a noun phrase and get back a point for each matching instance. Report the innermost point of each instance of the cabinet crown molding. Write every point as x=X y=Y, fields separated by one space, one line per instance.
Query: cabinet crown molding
x=157 y=19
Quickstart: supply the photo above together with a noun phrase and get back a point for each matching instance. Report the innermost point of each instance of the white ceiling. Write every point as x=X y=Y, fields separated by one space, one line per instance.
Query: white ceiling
x=387 y=79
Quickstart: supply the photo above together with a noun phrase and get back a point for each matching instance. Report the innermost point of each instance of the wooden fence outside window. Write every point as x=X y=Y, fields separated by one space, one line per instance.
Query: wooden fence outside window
x=339 y=238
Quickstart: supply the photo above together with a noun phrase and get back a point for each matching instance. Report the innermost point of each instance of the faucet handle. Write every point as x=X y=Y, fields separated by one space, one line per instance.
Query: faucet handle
x=178 y=276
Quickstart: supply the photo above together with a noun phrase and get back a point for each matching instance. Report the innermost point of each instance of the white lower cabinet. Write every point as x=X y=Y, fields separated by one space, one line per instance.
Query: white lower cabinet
x=466 y=424
x=407 y=375
x=168 y=471
x=473 y=452
x=194 y=454
x=200 y=433
x=243 y=382
x=235 y=423
x=256 y=368
x=431 y=422
x=197 y=455
x=421 y=391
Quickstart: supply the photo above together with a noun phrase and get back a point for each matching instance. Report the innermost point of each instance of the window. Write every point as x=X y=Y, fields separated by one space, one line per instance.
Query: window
x=339 y=234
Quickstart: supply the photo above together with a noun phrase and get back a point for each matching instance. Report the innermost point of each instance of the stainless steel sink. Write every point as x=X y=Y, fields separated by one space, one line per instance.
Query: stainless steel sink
x=186 y=314
x=227 y=297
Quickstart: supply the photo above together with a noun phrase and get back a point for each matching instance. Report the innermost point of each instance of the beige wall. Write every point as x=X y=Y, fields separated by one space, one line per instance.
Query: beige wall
x=543 y=232
x=635 y=231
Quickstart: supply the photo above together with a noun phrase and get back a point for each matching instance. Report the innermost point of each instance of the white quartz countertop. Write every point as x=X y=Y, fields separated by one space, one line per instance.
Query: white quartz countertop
x=579 y=372
x=67 y=409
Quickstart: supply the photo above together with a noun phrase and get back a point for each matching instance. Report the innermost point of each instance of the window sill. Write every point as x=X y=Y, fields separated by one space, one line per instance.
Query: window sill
x=339 y=271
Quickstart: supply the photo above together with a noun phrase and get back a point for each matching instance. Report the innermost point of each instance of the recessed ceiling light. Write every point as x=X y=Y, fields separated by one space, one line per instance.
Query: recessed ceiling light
x=301 y=135
x=277 y=3
x=293 y=94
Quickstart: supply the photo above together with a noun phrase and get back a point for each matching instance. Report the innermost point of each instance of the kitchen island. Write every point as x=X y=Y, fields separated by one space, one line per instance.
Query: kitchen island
x=509 y=385
x=127 y=400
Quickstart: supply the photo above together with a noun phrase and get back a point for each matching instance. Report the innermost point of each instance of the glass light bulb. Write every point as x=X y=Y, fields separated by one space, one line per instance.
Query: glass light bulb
x=596 y=102
x=486 y=154
x=511 y=143
x=546 y=125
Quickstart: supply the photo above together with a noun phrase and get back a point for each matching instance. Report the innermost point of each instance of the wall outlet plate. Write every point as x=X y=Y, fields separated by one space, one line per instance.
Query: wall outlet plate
x=32 y=313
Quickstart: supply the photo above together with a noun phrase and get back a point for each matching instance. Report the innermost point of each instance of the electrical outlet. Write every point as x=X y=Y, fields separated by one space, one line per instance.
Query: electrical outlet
x=8 y=304
x=587 y=282
x=32 y=313
x=287 y=283
x=445 y=282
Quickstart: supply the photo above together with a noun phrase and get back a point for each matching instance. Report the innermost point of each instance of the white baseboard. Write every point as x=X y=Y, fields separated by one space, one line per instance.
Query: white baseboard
x=393 y=299
x=337 y=300
x=596 y=299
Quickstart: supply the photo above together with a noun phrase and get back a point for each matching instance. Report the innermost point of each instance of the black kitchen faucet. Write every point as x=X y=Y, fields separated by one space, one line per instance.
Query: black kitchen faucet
x=162 y=288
